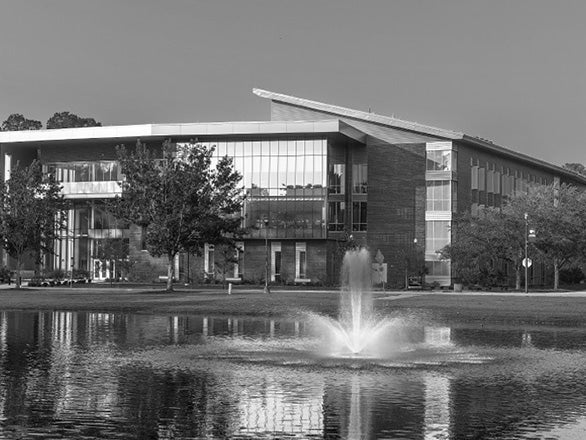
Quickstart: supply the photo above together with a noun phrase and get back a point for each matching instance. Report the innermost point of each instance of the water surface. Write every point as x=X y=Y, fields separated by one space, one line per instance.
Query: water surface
x=102 y=375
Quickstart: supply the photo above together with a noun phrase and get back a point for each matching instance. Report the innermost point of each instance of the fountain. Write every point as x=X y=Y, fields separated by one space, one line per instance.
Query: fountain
x=357 y=331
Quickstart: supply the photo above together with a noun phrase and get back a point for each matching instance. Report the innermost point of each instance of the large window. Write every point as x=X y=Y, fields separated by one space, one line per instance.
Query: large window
x=336 y=216
x=300 y=260
x=438 y=268
x=438 y=195
x=359 y=178
x=337 y=178
x=102 y=219
x=275 y=261
x=437 y=235
x=285 y=182
x=209 y=261
x=441 y=160
x=359 y=216
x=100 y=171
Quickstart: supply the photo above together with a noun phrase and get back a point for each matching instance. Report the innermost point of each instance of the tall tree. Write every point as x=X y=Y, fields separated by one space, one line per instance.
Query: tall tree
x=17 y=122
x=180 y=199
x=32 y=214
x=70 y=120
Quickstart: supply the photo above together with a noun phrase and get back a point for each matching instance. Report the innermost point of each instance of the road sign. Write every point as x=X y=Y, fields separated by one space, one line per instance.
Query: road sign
x=527 y=262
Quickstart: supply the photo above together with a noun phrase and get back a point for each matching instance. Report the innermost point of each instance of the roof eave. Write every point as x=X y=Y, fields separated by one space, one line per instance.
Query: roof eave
x=358 y=114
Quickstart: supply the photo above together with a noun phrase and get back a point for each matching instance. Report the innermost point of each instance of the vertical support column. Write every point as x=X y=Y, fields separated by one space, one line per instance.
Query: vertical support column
x=7 y=168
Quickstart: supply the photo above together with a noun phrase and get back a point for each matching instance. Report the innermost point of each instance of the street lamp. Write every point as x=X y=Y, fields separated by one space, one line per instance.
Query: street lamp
x=266 y=289
x=408 y=262
x=526 y=261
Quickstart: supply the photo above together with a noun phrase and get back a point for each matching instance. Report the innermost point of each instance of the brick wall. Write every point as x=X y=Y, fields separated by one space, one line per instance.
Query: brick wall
x=396 y=204
x=464 y=173
x=253 y=263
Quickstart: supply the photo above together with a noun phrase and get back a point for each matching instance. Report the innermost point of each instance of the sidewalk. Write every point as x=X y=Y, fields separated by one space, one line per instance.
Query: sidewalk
x=408 y=294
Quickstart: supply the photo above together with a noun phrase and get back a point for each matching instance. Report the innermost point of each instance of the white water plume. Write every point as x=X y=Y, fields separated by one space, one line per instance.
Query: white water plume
x=357 y=331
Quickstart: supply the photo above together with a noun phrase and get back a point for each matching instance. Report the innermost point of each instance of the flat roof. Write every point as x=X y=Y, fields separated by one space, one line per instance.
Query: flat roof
x=183 y=130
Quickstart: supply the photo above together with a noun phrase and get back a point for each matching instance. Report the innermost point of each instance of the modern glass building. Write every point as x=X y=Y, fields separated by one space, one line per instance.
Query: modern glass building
x=318 y=178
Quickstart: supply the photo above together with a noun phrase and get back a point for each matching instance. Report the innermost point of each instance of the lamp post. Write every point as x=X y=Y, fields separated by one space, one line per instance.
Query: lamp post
x=266 y=289
x=526 y=261
x=408 y=262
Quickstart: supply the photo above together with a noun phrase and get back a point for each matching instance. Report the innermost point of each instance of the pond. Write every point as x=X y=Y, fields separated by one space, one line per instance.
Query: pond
x=103 y=375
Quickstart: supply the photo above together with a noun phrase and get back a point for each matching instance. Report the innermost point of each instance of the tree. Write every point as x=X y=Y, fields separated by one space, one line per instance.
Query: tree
x=226 y=256
x=17 y=122
x=577 y=168
x=70 y=120
x=558 y=215
x=180 y=200
x=32 y=214
x=482 y=244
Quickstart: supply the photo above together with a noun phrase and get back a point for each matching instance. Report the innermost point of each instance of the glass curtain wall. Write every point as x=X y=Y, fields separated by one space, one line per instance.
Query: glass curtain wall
x=100 y=171
x=92 y=242
x=285 y=183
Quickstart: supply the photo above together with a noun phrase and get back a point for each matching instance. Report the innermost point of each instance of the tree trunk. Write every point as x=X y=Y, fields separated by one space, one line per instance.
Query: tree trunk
x=517 y=278
x=17 y=281
x=170 y=265
x=556 y=275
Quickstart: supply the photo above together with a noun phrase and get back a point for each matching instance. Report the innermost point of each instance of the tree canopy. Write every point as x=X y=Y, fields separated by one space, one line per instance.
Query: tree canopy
x=32 y=214
x=17 y=122
x=558 y=216
x=484 y=242
x=180 y=198
x=577 y=168
x=70 y=120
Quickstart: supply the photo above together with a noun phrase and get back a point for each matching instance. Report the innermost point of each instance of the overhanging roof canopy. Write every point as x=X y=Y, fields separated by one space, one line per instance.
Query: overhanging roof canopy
x=415 y=127
x=182 y=130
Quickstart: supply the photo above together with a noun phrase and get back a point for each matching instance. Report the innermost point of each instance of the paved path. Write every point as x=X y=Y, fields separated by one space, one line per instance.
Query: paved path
x=379 y=295
x=560 y=294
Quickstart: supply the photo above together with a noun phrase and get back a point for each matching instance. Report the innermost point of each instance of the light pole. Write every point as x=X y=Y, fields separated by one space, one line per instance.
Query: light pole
x=410 y=255
x=526 y=261
x=266 y=289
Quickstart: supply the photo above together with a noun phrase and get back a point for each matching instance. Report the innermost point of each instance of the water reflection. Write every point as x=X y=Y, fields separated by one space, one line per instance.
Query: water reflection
x=437 y=407
x=104 y=375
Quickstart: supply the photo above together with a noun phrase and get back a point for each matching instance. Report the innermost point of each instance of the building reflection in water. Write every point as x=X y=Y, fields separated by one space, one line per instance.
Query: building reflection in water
x=526 y=339
x=269 y=406
x=437 y=407
x=437 y=336
x=75 y=374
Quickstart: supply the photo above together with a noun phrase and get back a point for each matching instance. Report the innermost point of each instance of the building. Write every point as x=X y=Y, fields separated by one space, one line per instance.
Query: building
x=317 y=177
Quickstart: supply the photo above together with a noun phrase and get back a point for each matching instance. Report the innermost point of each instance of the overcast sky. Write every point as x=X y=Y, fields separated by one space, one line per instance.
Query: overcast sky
x=510 y=71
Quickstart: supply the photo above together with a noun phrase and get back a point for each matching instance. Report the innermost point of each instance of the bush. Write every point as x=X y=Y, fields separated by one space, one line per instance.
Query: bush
x=56 y=274
x=5 y=274
x=80 y=274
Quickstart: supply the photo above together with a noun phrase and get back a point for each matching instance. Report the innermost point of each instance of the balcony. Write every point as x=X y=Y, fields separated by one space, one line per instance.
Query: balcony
x=90 y=190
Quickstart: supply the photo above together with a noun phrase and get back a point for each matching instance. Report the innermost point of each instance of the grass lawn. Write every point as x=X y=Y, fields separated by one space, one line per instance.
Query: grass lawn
x=529 y=309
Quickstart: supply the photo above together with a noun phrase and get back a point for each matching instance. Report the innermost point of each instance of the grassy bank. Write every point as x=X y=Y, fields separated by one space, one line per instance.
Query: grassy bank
x=530 y=309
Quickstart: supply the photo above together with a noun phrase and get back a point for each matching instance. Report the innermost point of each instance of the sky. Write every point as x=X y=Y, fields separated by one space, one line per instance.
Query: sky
x=510 y=71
